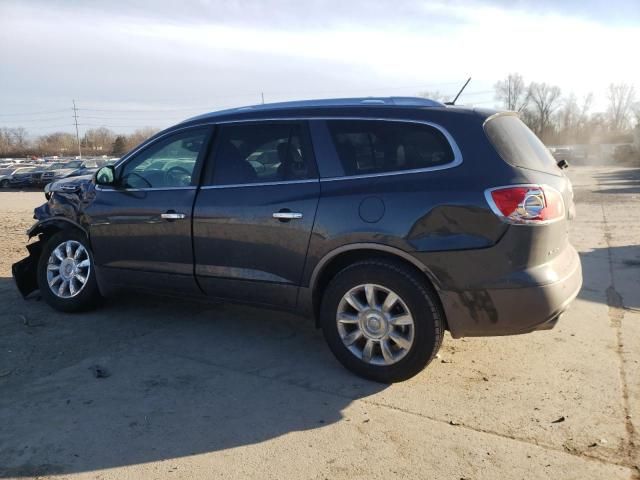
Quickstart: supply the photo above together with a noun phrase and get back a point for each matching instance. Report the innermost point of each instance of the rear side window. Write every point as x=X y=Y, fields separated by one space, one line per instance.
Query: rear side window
x=377 y=146
x=257 y=153
x=518 y=145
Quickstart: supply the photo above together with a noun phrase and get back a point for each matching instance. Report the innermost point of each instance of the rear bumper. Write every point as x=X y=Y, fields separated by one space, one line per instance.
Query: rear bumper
x=534 y=304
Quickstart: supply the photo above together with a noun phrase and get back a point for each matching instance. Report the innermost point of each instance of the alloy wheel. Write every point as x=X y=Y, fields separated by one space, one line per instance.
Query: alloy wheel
x=375 y=324
x=68 y=269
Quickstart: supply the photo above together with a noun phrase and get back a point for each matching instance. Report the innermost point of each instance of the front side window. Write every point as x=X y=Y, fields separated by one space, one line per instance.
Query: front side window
x=166 y=164
x=378 y=146
x=256 y=153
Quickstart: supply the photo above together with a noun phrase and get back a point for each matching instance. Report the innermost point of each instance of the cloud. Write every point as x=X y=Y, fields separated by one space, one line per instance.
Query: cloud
x=117 y=56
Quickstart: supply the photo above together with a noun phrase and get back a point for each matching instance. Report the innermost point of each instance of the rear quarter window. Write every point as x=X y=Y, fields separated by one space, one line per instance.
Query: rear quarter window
x=378 y=146
x=518 y=145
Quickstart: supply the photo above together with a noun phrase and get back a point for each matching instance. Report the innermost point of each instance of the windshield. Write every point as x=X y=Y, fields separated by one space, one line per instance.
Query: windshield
x=518 y=145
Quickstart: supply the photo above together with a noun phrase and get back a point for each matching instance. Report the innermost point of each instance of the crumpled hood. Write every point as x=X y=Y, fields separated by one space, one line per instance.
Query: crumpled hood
x=69 y=184
x=68 y=198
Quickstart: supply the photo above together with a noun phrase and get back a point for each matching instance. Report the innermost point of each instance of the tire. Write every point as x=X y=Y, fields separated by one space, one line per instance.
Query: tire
x=421 y=339
x=86 y=296
x=4 y=183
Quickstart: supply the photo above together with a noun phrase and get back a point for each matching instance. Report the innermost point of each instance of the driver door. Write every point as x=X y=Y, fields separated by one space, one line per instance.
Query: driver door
x=140 y=228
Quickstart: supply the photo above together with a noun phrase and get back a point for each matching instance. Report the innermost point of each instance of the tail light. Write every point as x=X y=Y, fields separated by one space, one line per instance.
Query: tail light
x=526 y=204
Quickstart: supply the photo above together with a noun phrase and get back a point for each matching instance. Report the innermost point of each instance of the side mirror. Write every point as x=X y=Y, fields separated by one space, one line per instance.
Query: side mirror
x=106 y=175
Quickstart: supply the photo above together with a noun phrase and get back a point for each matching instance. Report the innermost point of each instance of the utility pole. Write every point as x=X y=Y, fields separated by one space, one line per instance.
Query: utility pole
x=262 y=95
x=75 y=119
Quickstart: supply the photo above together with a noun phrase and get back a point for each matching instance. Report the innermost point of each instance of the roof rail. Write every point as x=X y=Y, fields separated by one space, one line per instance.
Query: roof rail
x=331 y=102
x=337 y=102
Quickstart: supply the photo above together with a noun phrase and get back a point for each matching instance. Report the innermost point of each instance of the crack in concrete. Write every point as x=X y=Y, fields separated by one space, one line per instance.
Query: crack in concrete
x=615 y=303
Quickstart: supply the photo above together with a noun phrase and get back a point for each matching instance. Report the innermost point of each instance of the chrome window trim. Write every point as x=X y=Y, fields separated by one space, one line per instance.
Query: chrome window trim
x=457 y=154
x=152 y=189
x=260 y=184
x=144 y=145
x=154 y=139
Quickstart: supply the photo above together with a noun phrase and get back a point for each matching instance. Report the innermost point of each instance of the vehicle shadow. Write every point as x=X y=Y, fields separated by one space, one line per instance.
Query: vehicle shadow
x=619 y=181
x=624 y=290
x=146 y=379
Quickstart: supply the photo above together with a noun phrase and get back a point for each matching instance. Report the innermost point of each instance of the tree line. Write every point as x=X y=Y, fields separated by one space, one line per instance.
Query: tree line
x=15 y=142
x=565 y=120
x=558 y=119
x=555 y=118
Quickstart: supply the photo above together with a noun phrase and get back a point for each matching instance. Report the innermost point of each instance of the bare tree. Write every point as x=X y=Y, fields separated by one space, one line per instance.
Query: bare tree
x=14 y=141
x=544 y=99
x=98 y=139
x=587 y=100
x=5 y=141
x=20 y=138
x=512 y=92
x=139 y=136
x=569 y=114
x=58 y=143
x=621 y=97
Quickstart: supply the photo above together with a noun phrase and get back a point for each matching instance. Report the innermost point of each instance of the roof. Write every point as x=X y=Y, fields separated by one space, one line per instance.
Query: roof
x=326 y=103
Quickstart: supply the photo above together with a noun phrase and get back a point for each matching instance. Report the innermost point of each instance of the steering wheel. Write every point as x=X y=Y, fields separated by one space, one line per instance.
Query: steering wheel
x=178 y=176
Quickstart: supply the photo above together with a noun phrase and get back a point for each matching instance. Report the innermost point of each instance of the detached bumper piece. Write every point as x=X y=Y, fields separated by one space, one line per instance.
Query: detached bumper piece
x=25 y=271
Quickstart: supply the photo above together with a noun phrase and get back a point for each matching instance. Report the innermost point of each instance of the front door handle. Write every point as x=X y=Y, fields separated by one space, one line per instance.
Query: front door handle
x=285 y=215
x=172 y=216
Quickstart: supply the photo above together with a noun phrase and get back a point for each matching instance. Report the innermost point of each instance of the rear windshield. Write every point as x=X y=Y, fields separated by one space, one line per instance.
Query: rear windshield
x=518 y=145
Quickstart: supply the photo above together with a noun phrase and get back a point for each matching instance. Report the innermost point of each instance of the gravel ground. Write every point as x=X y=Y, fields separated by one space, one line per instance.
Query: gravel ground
x=215 y=391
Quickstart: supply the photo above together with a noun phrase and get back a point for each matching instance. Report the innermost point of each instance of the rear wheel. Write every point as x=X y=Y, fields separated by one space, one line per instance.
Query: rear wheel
x=66 y=276
x=381 y=320
x=4 y=183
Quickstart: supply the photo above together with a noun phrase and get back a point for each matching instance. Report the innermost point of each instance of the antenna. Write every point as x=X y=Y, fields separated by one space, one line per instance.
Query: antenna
x=460 y=92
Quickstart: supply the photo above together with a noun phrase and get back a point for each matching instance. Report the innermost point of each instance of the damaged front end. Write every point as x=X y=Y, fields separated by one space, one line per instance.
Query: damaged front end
x=25 y=272
x=66 y=201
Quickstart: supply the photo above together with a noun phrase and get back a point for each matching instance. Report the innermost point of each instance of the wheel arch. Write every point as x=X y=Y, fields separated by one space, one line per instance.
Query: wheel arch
x=25 y=271
x=341 y=257
x=50 y=226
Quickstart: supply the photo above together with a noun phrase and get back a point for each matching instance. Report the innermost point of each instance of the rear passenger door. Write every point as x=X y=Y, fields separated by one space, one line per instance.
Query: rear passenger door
x=254 y=215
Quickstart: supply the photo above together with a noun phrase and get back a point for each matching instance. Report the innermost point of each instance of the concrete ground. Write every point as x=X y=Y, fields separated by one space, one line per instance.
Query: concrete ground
x=216 y=391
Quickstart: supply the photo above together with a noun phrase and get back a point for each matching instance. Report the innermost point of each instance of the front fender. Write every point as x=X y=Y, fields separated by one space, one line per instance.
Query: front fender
x=54 y=223
x=26 y=270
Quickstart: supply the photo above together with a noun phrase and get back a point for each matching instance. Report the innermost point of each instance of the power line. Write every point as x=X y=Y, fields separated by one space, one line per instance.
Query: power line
x=208 y=98
x=15 y=114
x=40 y=120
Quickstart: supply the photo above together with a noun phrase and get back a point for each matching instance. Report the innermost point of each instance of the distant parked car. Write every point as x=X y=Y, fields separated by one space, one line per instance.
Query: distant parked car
x=21 y=177
x=5 y=174
x=562 y=154
x=625 y=153
x=88 y=167
x=58 y=170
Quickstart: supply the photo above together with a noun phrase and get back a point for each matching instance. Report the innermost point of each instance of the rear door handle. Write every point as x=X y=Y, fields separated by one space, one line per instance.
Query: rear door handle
x=172 y=216
x=285 y=215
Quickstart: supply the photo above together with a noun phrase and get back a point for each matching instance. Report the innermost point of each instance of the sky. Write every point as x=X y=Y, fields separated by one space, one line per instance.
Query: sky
x=129 y=64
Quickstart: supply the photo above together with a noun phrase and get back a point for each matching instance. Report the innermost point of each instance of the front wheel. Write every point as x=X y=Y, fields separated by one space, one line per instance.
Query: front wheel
x=381 y=320
x=66 y=274
x=4 y=183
